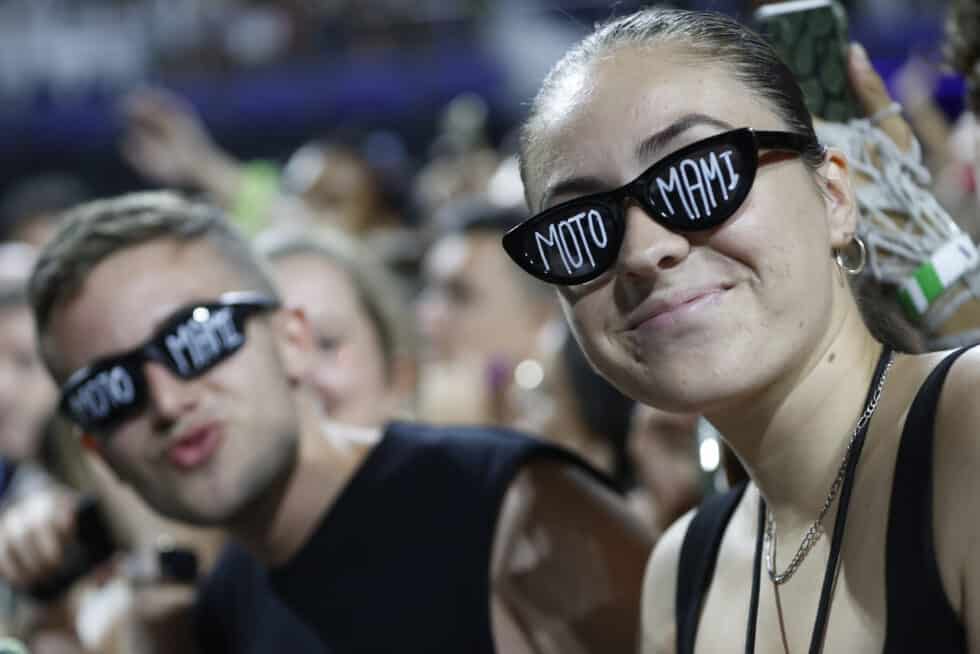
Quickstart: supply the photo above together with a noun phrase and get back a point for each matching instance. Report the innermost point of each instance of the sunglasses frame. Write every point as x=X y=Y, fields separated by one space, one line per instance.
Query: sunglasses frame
x=249 y=302
x=747 y=141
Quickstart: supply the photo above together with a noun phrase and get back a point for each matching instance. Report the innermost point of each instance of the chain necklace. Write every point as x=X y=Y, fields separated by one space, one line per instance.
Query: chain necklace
x=815 y=530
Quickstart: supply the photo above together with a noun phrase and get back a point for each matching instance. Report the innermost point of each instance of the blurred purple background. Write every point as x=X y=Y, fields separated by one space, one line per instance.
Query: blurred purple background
x=267 y=76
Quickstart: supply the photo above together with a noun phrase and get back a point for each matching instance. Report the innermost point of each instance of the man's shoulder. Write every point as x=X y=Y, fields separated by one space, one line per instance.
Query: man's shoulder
x=464 y=447
x=422 y=435
x=495 y=454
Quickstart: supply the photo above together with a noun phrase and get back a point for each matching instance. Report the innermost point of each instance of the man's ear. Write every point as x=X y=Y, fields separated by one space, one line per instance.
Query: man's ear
x=295 y=340
x=835 y=182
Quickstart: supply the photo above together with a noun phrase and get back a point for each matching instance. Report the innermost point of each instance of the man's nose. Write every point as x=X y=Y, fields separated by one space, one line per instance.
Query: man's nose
x=169 y=396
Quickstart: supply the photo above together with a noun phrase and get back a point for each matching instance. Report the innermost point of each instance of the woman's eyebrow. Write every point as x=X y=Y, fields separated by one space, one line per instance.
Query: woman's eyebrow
x=657 y=142
x=644 y=152
x=573 y=185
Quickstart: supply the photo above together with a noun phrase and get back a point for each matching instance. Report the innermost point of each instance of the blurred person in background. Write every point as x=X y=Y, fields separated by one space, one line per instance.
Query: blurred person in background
x=30 y=209
x=27 y=400
x=478 y=320
x=166 y=141
x=27 y=395
x=376 y=540
x=556 y=393
x=663 y=448
x=340 y=186
x=962 y=52
x=461 y=161
x=365 y=369
x=947 y=146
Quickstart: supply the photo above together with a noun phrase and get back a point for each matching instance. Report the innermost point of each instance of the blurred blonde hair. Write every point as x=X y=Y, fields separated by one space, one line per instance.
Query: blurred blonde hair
x=377 y=289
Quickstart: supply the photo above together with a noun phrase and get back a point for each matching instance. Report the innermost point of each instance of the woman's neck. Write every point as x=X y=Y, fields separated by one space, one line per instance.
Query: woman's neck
x=795 y=435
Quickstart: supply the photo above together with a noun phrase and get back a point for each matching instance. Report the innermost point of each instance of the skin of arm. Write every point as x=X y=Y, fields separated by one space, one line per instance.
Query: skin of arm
x=568 y=560
x=956 y=492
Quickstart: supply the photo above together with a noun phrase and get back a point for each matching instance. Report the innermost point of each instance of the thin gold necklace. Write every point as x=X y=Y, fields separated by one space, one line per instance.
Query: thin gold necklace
x=815 y=530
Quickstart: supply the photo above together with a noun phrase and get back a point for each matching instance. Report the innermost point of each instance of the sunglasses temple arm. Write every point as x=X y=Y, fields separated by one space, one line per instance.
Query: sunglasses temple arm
x=787 y=141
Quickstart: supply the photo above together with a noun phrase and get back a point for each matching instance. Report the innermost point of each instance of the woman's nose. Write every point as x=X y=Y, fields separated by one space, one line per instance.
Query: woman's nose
x=648 y=247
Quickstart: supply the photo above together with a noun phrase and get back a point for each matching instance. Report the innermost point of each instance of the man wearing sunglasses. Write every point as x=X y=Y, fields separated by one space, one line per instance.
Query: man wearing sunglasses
x=182 y=370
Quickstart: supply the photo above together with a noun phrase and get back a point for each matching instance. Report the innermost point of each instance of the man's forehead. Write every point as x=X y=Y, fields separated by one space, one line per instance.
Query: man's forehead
x=127 y=296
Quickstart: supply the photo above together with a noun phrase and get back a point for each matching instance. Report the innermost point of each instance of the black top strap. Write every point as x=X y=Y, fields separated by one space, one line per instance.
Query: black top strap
x=699 y=554
x=920 y=618
x=820 y=624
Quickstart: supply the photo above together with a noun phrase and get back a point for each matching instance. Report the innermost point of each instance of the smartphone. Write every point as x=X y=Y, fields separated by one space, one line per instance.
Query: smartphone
x=94 y=545
x=811 y=37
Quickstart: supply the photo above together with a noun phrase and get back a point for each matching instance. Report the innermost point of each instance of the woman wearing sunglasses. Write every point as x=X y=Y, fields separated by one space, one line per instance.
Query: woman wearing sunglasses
x=701 y=240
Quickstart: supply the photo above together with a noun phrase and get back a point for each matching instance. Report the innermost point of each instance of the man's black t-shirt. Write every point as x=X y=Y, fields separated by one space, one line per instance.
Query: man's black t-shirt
x=400 y=563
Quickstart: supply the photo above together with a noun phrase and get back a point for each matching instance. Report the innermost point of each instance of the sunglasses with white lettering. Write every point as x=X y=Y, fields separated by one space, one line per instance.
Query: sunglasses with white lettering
x=695 y=188
x=194 y=339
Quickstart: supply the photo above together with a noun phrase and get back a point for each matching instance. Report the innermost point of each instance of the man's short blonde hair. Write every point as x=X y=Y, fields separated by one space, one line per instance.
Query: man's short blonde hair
x=94 y=231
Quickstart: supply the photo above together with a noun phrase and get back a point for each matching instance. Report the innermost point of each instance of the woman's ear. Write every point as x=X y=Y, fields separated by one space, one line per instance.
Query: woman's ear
x=295 y=339
x=837 y=187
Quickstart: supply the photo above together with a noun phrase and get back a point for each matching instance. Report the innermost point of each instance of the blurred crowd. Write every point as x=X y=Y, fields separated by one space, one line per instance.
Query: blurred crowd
x=417 y=313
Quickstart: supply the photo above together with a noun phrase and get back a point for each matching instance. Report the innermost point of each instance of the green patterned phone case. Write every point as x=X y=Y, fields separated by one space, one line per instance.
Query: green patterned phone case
x=811 y=37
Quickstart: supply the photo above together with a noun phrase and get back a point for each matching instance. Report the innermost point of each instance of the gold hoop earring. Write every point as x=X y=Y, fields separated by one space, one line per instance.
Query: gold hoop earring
x=862 y=258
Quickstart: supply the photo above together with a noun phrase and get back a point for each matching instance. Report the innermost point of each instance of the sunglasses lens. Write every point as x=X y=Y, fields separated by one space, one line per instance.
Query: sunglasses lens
x=193 y=341
x=703 y=185
x=569 y=244
x=104 y=397
x=202 y=338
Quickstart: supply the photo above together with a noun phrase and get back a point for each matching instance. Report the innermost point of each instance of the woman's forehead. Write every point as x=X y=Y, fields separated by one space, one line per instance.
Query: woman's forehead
x=632 y=94
x=635 y=90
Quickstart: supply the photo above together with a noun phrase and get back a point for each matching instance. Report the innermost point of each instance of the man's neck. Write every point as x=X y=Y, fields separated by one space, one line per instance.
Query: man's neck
x=328 y=456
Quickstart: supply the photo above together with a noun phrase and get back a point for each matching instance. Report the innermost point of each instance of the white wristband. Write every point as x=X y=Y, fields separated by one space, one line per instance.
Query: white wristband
x=946 y=266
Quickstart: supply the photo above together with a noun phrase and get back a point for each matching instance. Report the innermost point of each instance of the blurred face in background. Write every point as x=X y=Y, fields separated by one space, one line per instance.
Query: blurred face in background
x=27 y=393
x=339 y=186
x=663 y=447
x=348 y=371
x=474 y=306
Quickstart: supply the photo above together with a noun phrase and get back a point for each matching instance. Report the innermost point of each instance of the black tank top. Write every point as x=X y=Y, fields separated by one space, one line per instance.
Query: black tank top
x=400 y=563
x=919 y=616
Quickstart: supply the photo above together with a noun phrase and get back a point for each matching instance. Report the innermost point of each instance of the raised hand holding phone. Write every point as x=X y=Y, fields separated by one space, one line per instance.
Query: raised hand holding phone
x=811 y=37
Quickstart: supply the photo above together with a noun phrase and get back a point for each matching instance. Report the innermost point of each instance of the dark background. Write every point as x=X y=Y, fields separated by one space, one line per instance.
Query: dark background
x=267 y=76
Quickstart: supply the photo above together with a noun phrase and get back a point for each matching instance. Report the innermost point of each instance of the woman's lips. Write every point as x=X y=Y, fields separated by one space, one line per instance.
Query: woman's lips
x=663 y=312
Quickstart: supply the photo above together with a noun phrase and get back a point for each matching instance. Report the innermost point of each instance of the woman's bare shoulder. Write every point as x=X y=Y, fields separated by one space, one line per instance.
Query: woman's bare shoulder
x=957 y=426
x=660 y=587
x=956 y=481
